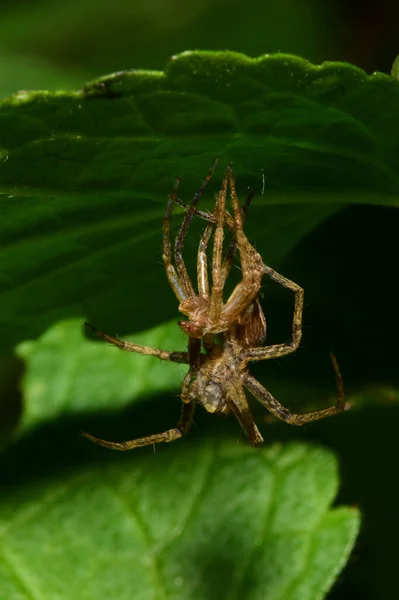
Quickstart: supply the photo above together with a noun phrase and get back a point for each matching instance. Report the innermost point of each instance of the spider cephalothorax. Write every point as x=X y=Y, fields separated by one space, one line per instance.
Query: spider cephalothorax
x=223 y=337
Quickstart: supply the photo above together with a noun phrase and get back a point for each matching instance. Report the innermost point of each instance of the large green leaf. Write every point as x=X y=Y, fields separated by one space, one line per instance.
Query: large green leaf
x=85 y=175
x=192 y=521
x=220 y=521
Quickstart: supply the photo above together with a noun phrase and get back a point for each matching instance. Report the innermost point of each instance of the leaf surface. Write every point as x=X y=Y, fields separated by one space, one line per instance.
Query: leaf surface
x=85 y=175
x=193 y=520
x=189 y=522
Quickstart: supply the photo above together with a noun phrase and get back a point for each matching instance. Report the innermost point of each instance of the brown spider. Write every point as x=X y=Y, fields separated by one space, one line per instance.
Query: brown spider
x=217 y=378
x=206 y=310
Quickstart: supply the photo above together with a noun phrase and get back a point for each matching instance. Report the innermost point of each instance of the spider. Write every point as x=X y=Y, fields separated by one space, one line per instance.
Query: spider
x=217 y=378
x=207 y=312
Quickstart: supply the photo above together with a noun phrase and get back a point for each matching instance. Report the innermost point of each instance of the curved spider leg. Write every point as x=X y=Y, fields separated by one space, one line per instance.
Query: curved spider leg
x=277 y=350
x=279 y=411
x=187 y=220
x=174 y=281
x=298 y=306
x=170 y=435
x=228 y=261
x=179 y=357
x=239 y=406
x=186 y=416
x=251 y=263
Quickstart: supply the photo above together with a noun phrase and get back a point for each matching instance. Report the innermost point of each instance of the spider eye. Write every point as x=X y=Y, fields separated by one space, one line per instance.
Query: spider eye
x=213 y=397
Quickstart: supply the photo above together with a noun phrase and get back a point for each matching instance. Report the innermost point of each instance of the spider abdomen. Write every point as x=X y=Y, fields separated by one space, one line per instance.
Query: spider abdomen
x=251 y=328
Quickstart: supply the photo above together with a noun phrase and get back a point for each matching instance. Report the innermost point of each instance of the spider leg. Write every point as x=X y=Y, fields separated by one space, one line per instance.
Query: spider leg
x=174 y=281
x=277 y=350
x=279 y=411
x=194 y=349
x=239 y=406
x=207 y=216
x=228 y=261
x=251 y=263
x=202 y=263
x=179 y=242
x=216 y=299
x=202 y=266
x=170 y=435
x=179 y=357
x=298 y=306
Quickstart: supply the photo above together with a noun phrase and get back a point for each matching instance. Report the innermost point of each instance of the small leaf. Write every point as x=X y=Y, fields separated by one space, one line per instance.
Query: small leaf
x=206 y=522
x=68 y=374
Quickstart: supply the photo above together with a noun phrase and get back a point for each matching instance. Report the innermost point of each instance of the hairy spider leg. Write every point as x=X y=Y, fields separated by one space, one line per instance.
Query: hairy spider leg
x=178 y=357
x=194 y=355
x=208 y=339
x=171 y=274
x=239 y=406
x=180 y=281
x=277 y=350
x=228 y=261
x=279 y=411
x=188 y=217
x=251 y=263
x=202 y=262
x=216 y=299
x=170 y=435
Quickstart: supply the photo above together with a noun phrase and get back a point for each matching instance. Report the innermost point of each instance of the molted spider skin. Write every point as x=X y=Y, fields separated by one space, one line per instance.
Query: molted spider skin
x=223 y=338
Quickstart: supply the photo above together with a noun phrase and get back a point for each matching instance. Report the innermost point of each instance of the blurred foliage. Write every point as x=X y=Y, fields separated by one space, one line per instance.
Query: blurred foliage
x=82 y=200
x=62 y=44
x=95 y=36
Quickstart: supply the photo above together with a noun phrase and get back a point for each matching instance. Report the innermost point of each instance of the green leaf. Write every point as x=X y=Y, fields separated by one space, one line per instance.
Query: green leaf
x=190 y=522
x=85 y=175
x=68 y=374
